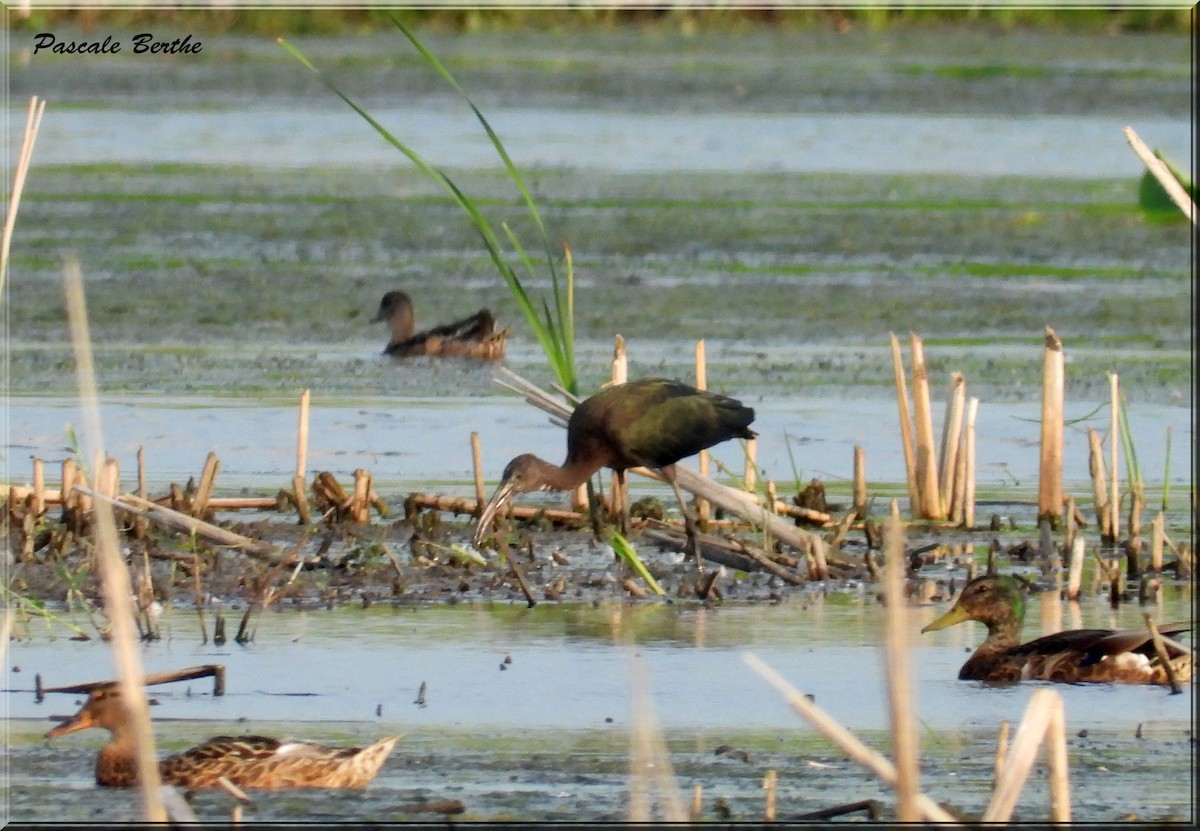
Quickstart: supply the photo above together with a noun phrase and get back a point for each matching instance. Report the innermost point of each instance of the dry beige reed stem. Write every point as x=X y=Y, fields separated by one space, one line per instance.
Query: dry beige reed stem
x=648 y=757
x=298 y=490
x=906 y=427
x=951 y=430
x=750 y=471
x=926 y=459
x=204 y=490
x=477 y=466
x=843 y=738
x=141 y=474
x=904 y=732
x=1044 y=710
x=769 y=781
x=860 y=482
x=697 y=809
x=958 y=495
x=1075 y=568
x=1050 y=479
x=302 y=437
x=1158 y=538
x=969 y=477
x=5 y=633
x=39 y=486
x=114 y=575
x=1099 y=485
x=33 y=121
x=1114 y=501
x=1001 y=753
x=1163 y=657
x=1163 y=174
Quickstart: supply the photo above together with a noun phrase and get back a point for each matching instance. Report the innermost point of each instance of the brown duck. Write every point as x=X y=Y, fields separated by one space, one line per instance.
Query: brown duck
x=472 y=337
x=1077 y=656
x=246 y=761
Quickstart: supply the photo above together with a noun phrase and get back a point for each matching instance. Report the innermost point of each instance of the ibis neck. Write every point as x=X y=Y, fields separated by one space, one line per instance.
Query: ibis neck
x=572 y=473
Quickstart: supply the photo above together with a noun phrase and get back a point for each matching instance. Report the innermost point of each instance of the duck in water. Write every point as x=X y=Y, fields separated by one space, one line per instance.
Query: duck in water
x=1124 y=656
x=246 y=761
x=472 y=337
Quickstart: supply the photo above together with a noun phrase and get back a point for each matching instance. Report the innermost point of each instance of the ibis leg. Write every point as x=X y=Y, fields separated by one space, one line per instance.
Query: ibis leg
x=689 y=522
x=621 y=496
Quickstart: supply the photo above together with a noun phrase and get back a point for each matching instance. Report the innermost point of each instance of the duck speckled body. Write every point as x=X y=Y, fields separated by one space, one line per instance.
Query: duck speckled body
x=1076 y=656
x=246 y=761
x=471 y=337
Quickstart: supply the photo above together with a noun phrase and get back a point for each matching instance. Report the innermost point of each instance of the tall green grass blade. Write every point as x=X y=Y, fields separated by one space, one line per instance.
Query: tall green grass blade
x=512 y=169
x=1131 y=462
x=546 y=336
x=625 y=552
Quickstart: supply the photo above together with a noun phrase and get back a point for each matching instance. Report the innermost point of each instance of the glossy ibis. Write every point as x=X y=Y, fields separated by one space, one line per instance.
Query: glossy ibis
x=1075 y=656
x=246 y=761
x=651 y=422
x=471 y=337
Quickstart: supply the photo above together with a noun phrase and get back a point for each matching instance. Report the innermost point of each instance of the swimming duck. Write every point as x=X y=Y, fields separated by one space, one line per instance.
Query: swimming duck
x=471 y=337
x=1079 y=655
x=246 y=761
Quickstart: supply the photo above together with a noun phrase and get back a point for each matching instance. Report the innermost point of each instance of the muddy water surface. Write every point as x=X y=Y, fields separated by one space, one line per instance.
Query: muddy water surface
x=237 y=226
x=537 y=703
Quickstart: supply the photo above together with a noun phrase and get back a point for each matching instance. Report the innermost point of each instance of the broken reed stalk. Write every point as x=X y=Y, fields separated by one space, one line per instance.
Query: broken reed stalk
x=769 y=786
x=969 y=474
x=183 y=522
x=477 y=467
x=1001 y=753
x=843 y=738
x=1099 y=486
x=115 y=579
x=39 y=485
x=302 y=437
x=299 y=491
x=648 y=760
x=1050 y=478
x=860 y=482
x=702 y=507
x=1075 y=569
x=1114 y=502
x=33 y=121
x=906 y=428
x=1162 y=173
x=951 y=431
x=360 y=505
x=214 y=671
x=929 y=494
x=904 y=732
x=1043 y=721
x=204 y=490
x=1158 y=538
x=958 y=494
x=1161 y=649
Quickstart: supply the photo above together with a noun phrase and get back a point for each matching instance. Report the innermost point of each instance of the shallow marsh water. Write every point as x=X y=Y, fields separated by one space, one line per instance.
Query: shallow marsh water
x=546 y=734
x=237 y=226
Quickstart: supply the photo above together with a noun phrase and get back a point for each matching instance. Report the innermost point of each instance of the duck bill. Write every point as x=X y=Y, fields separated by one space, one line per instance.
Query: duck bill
x=955 y=615
x=503 y=494
x=80 y=721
